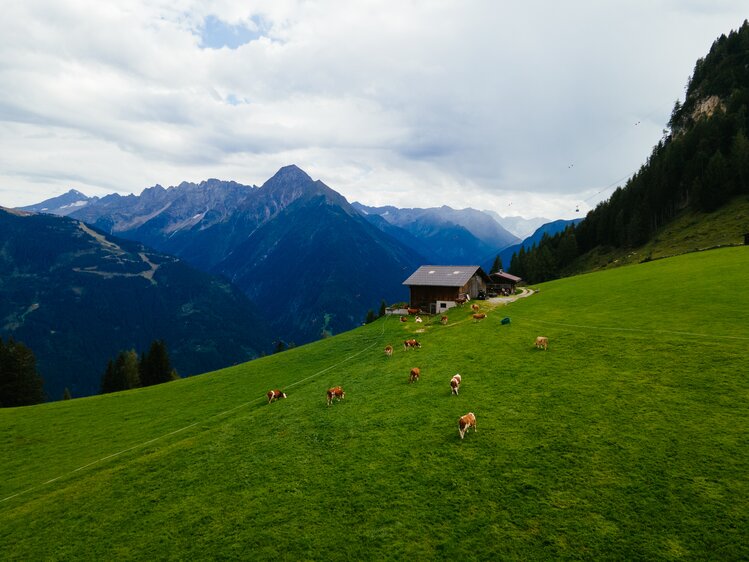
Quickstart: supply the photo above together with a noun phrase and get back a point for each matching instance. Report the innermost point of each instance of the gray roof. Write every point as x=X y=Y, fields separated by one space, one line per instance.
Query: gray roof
x=444 y=275
x=505 y=275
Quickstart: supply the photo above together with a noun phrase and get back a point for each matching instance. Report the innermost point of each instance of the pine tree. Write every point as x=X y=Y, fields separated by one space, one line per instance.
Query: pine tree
x=20 y=384
x=108 y=383
x=370 y=317
x=155 y=366
x=497 y=265
x=383 y=307
x=66 y=395
x=128 y=369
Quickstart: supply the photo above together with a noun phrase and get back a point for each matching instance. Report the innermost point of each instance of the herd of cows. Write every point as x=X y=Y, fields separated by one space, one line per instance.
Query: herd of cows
x=465 y=422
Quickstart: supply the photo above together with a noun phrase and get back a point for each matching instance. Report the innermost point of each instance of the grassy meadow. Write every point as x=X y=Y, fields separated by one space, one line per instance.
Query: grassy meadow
x=627 y=439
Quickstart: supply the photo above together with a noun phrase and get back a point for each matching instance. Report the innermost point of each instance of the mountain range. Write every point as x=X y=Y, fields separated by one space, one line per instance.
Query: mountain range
x=444 y=236
x=77 y=296
x=311 y=263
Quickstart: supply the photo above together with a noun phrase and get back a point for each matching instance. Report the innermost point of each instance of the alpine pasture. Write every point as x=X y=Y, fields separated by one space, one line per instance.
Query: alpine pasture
x=627 y=439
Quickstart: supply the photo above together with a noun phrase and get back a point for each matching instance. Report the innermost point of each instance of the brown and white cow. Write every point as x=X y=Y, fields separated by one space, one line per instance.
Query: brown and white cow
x=415 y=374
x=465 y=423
x=275 y=394
x=418 y=320
x=413 y=310
x=542 y=341
x=404 y=319
x=411 y=344
x=335 y=393
x=480 y=316
x=460 y=301
x=389 y=350
x=475 y=307
x=443 y=320
x=455 y=384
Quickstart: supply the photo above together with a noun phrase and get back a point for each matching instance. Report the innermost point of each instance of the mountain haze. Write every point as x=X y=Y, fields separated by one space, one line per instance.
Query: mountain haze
x=445 y=236
x=61 y=205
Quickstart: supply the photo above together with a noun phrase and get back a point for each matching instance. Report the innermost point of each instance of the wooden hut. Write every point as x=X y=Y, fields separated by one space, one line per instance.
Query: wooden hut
x=503 y=282
x=435 y=288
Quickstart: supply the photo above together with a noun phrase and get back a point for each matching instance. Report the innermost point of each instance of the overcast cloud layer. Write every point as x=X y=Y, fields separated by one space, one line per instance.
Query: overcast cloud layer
x=526 y=108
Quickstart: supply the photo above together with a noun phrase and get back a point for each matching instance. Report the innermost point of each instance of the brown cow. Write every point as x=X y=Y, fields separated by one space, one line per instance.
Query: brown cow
x=455 y=384
x=415 y=374
x=465 y=423
x=411 y=344
x=413 y=310
x=479 y=316
x=460 y=301
x=475 y=307
x=542 y=341
x=443 y=320
x=275 y=395
x=335 y=392
x=389 y=350
x=404 y=319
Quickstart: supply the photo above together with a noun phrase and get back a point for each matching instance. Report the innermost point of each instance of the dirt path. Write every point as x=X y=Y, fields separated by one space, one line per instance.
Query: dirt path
x=512 y=298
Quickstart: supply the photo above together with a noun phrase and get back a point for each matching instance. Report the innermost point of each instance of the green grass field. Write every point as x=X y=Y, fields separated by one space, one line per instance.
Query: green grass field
x=628 y=439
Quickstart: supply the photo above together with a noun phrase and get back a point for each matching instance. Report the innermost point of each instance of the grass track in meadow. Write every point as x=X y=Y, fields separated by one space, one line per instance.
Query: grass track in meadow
x=625 y=442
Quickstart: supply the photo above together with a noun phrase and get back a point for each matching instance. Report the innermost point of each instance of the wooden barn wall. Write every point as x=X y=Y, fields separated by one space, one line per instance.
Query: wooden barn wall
x=422 y=296
x=473 y=286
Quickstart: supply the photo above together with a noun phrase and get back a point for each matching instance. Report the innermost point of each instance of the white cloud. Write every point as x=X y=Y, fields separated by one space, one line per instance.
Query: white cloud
x=410 y=103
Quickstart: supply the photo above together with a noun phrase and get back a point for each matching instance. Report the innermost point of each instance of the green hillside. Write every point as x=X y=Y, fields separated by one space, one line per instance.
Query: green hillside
x=691 y=231
x=627 y=439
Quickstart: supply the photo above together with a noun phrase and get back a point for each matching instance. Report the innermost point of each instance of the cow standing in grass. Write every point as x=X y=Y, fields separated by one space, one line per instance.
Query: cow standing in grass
x=455 y=384
x=415 y=374
x=335 y=393
x=411 y=344
x=389 y=350
x=465 y=423
x=275 y=395
x=443 y=320
x=542 y=342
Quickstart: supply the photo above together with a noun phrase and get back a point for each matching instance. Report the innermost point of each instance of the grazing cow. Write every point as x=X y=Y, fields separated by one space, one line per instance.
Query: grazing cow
x=413 y=310
x=404 y=319
x=465 y=423
x=460 y=301
x=455 y=384
x=443 y=320
x=411 y=344
x=415 y=374
x=479 y=316
x=389 y=350
x=505 y=320
x=275 y=395
x=418 y=320
x=542 y=341
x=335 y=393
x=475 y=307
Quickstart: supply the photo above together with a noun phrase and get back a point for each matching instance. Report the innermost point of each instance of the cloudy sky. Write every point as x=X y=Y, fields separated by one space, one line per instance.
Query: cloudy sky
x=526 y=108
